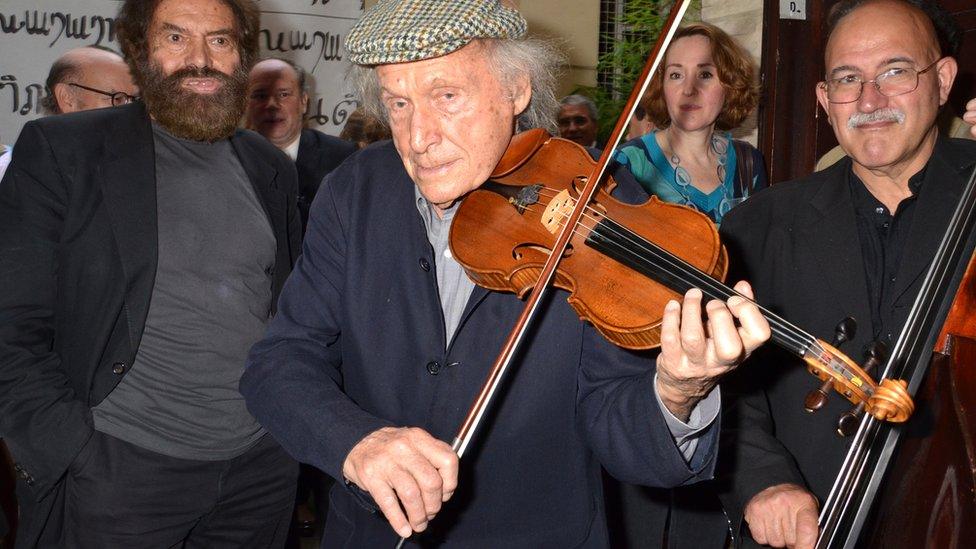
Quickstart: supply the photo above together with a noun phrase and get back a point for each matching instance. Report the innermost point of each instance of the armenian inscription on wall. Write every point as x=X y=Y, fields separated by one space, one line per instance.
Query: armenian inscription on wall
x=33 y=33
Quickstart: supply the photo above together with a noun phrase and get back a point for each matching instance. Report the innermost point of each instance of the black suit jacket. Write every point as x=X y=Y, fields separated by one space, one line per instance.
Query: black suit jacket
x=318 y=154
x=77 y=265
x=797 y=243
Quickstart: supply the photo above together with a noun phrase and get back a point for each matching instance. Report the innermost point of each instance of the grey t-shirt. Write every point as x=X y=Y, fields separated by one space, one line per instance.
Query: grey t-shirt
x=210 y=302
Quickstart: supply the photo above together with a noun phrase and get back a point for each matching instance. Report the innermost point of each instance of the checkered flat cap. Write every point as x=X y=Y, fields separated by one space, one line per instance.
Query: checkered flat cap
x=398 y=31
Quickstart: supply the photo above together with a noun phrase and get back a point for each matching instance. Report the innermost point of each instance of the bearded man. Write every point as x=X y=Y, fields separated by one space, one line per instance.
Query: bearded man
x=143 y=251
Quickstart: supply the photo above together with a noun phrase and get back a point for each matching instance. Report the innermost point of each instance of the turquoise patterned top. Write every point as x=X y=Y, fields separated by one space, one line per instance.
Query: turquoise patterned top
x=645 y=159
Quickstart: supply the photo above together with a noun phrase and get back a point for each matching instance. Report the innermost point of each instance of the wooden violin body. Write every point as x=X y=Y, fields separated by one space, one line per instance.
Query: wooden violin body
x=503 y=233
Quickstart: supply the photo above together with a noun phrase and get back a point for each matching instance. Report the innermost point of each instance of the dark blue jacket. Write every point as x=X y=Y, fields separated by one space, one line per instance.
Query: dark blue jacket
x=354 y=346
x=318 y=154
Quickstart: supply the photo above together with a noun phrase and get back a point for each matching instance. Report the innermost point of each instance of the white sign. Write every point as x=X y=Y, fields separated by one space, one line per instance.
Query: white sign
x=33 y=33
x=793 y=9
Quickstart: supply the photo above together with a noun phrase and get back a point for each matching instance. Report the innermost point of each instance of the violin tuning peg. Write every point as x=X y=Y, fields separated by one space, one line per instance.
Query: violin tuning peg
x=816 y=398
x=874 y=355
x=844 y=331
x=847 y=422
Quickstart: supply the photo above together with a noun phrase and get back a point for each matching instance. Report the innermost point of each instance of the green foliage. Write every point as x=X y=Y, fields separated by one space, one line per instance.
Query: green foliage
x=641 y=22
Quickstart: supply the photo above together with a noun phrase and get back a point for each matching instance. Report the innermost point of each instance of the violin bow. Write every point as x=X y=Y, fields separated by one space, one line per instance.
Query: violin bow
x=542 y=285
x=475 y=415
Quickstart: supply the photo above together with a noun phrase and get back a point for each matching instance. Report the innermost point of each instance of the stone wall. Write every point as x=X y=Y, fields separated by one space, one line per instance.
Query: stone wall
x=743 y=20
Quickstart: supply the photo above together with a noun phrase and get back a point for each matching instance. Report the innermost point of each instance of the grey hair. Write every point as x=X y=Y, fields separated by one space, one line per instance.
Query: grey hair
x=510 y=60
x=577 y=99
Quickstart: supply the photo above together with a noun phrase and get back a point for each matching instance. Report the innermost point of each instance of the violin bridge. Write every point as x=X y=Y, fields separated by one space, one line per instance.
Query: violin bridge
x=557 y=210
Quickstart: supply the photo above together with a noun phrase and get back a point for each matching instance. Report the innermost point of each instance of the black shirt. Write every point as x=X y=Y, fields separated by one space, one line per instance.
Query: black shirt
x=882 y=237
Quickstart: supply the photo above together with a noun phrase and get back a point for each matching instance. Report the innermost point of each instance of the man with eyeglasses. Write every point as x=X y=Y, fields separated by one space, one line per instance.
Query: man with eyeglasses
x=852 y=240
x=276 y=106
x=89 y=77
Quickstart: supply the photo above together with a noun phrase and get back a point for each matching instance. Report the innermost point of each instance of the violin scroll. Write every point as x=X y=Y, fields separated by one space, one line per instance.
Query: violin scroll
x=891 y=401
x=887 y=401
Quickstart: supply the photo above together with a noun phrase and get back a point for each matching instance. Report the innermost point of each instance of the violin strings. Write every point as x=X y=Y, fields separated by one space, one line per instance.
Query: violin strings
x=690 y=275
x=693 y=277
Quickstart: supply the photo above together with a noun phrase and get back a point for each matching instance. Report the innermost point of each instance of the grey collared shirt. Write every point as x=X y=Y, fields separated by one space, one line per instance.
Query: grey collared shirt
x=454 y=288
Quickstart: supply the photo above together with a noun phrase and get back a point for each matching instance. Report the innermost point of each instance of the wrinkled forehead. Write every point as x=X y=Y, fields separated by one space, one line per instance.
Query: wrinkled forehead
x=468 y=66
x=878 y=33
x=203 y=15
x=568 y=111
x=276 y=74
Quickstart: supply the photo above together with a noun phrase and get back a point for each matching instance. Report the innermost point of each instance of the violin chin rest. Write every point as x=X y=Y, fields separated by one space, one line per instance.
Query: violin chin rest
x=520 y=150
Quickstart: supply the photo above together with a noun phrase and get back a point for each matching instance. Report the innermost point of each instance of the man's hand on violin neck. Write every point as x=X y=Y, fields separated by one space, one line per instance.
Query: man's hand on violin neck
x=408 y=473
x=784 y=515
x=696 y=353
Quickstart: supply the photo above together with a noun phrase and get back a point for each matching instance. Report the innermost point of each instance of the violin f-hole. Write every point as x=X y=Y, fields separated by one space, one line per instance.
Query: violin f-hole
x=518 y=252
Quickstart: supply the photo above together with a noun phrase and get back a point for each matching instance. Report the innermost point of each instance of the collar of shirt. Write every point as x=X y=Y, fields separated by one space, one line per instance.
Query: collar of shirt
x=865 y=203
x=292 y=148
x=453 y=285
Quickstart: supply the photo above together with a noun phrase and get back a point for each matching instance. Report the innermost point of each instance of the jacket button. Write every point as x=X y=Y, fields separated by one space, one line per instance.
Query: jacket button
x=433 y=367
x=23 y=475
x=424 y=264
x=118 y=368
x=270 y=271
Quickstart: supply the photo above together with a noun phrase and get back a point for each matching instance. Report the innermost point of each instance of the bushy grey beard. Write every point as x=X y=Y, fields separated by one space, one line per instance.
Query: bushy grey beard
x=881 y=115
x=191 y=115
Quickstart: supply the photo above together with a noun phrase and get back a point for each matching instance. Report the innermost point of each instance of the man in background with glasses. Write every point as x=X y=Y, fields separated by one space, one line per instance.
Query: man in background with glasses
x=853 y=240
x=89 y=77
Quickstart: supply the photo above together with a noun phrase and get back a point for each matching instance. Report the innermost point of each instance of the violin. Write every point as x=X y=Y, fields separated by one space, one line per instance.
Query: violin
x=623 y=262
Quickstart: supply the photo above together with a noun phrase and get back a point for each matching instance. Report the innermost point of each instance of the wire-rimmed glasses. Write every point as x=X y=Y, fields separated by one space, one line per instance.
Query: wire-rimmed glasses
x=892 y=82
x=118 y=98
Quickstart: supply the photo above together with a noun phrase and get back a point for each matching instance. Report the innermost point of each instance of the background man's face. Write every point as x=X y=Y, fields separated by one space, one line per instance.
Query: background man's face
x=871 y=40
x=451 y=120
x=576 y=125
x=99 y=70
x=276 y=105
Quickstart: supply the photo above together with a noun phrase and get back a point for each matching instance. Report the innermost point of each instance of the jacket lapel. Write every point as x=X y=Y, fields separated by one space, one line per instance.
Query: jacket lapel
x=308 y=156
x=263 y=177
x=831 y=230
x=478 y=294
x=937 y=200
x=128 y=183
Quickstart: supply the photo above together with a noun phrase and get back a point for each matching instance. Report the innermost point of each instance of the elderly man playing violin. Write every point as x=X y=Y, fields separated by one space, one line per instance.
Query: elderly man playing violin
x=381 y=342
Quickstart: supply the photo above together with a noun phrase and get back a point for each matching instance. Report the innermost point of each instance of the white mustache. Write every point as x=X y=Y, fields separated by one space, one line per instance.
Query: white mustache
x=881 y=115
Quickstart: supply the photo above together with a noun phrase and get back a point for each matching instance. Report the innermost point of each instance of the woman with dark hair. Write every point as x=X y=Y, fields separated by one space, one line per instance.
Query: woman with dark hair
x=705 y=87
